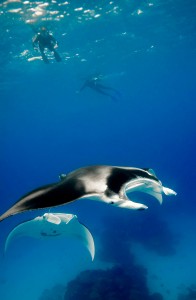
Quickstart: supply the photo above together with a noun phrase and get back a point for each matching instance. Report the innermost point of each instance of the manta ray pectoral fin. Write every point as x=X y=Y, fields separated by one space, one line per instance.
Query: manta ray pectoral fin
x=169 y=192
x=88 y=240
x=42 y=197
x=23 y=229
x=81 y=232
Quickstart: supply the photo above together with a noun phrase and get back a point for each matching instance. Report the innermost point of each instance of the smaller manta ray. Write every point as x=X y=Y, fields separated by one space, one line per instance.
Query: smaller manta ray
x=54 y=225
x=107 y=184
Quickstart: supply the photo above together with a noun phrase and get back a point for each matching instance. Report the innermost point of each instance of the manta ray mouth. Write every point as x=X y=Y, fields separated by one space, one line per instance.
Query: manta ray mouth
x=50 y=234
x=147 y=186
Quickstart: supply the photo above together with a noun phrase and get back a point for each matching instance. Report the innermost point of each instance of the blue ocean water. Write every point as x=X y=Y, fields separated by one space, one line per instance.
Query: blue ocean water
x=146 y=50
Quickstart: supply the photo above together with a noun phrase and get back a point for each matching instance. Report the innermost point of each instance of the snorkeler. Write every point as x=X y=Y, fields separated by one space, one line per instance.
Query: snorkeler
x=94 y=82
x=45 y=40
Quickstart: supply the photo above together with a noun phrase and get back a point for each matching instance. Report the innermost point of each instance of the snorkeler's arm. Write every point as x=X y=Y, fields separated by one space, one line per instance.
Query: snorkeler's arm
x=33 y=27
x=35 y=41
x=53 y=41
x=83 y=87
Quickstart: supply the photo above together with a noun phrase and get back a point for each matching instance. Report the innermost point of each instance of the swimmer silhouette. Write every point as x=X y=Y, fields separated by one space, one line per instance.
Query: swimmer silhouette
x=95 y=83
x=45 y=40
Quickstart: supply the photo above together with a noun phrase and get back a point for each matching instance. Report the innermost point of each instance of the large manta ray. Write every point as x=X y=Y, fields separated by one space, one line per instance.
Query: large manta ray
x=51 y=226
x=103 y=183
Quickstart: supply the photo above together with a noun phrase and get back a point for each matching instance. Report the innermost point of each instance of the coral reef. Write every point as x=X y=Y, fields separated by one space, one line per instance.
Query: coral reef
x=154 y=233
x=112 y=284
x=190 y=294
x=55 y=293
x=151 y=231
x=126 y=280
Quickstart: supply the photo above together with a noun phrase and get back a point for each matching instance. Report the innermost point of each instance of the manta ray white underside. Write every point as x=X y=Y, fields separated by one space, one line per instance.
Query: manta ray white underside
x=144 y=185
x=53 y=225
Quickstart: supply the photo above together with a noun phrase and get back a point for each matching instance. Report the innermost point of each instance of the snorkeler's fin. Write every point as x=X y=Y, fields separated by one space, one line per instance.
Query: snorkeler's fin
x=44 y=57
x=57 y=56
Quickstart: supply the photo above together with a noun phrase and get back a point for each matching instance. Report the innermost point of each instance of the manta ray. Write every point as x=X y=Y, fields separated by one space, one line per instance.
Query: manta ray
x=53 y=225
x=109 y=184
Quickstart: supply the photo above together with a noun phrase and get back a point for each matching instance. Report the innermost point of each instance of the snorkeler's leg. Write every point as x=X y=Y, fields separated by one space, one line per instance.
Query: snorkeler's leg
x=99 y=90
x=110 y=88
x=57 y=56
x=45 y=59
x=114 y=95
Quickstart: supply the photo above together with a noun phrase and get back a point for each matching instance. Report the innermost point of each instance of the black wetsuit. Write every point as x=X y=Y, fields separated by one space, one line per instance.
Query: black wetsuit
x=46 y=41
